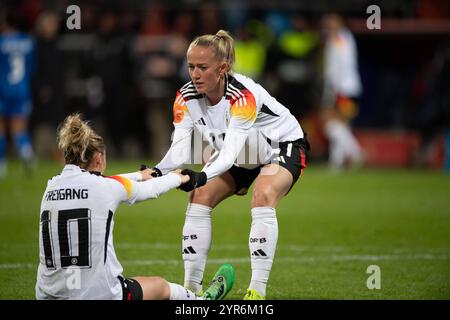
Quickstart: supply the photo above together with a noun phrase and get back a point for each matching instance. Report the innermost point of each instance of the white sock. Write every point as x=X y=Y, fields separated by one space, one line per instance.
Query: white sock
x=196 y=244
x=262 y=243
x=352 y=147
x=178 y=292
x=343 y=143
x=335 y=132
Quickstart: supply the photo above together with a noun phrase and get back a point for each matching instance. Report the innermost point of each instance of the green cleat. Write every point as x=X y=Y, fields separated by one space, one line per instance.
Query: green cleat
x=252 y=294
x=221 y=284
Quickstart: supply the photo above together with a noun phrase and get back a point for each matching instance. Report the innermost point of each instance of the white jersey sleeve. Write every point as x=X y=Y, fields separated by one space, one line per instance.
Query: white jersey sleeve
x=180 y=148
x=126 y=190
x=134 y=176
x=243 y=112
x=155 y=187
x=243 y=107
x=232 y=145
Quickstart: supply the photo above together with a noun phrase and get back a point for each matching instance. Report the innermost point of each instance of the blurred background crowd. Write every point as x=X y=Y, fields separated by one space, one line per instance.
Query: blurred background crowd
x=121 y=69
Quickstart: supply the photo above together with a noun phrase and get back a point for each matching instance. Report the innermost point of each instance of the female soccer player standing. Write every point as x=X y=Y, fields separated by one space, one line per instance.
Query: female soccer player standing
x=17 y=65
x=227 y=109
x=77 y=257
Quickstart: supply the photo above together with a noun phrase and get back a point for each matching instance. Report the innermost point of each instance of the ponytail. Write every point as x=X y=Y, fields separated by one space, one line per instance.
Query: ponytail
x=78 y=141
x=222 y=43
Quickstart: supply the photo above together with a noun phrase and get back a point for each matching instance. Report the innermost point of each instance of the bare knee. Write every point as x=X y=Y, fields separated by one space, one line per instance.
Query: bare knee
x=202 y=196
x=263 y=196
x=154 y=288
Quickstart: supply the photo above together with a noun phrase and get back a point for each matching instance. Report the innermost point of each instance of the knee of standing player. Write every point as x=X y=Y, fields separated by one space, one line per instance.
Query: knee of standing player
x=202 y=196
x=263 y=196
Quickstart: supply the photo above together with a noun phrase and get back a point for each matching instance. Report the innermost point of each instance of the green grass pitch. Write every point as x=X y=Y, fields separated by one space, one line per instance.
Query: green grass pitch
x=331 y=228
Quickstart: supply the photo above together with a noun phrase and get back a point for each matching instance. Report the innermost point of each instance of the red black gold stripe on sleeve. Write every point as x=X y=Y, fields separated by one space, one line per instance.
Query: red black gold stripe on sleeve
x=242 y=101
x=179 y=108
x=126 y=183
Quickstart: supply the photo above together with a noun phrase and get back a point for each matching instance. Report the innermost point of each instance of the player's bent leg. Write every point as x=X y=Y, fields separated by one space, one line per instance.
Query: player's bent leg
x=336 y=132
x=22 y=141
x=214 y=192
x=270 y=186
x=153 y=288
x=196 y=242
x=157 y=288
x=197 y=228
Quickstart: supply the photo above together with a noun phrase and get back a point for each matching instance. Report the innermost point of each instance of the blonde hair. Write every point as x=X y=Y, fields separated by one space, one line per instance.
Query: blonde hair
x=221 y=42
x=78 y=141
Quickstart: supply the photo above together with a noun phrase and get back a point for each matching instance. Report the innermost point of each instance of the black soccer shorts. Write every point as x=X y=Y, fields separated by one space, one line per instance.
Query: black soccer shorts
x=293 y=156
x=131 y=289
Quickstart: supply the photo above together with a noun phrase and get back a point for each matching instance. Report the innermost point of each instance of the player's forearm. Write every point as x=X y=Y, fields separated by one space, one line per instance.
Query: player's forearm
x=134 y=176
x=234 y=141
x=173 y=159
x=178 y=153
x=155 y=187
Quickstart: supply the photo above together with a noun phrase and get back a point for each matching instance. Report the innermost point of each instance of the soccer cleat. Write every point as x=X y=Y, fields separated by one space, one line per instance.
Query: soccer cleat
x=221 y=284
x=252 y=294
x=200 y=293
x=198 y=290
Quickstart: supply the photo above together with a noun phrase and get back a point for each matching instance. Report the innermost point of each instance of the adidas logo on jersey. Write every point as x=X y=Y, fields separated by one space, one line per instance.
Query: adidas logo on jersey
x=201 y=122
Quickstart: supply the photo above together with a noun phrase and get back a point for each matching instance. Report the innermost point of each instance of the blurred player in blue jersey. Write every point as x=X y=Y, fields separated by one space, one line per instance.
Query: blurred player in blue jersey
x=17 y=63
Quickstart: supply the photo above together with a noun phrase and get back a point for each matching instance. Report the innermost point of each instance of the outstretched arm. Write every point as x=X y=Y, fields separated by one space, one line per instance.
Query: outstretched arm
x=179 y=151
x=243 y=114
x=243 y=117
x=233 y=143
x=125 y=190
x=142 y=175
x=153 y=188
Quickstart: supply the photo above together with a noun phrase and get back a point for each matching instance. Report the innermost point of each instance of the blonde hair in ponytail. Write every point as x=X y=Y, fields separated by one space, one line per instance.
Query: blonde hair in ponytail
x=78 y=141
x=222 y=43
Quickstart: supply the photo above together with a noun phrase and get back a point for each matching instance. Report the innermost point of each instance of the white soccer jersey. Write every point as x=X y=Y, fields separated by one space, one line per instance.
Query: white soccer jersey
x=341 y=65
x=246 y=112
x=77 y=257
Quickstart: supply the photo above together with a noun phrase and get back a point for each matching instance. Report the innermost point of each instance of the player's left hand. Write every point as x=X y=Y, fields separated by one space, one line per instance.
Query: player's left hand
x=148 y=173
x=197 y=179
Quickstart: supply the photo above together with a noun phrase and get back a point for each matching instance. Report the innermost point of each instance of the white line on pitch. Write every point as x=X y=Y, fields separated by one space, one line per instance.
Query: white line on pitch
x=334 y=258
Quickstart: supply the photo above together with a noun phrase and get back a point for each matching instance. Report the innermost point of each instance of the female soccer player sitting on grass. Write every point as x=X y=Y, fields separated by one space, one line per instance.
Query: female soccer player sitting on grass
x=77 y=257
x=229 y=110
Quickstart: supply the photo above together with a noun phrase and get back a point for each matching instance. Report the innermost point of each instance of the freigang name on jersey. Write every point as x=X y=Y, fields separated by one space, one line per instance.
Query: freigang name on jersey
x=66 y=194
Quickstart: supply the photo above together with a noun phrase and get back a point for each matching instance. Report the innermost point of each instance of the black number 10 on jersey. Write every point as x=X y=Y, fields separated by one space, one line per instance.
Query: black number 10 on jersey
x=71 y=223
